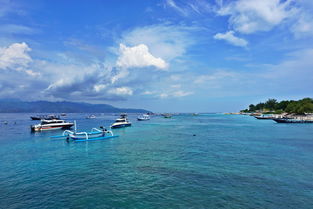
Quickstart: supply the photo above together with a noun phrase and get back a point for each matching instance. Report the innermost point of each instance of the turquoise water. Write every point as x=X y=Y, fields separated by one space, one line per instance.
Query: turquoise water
x=231 y=162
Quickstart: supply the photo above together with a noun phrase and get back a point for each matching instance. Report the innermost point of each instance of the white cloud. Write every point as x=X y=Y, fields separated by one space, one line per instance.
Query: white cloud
x=189 y=7
x=121 y=91
x=303 y=19
x=181 y=93
x=230 y=38
x=216 y=76
x=248 y=16
x=175 y=94
x=164 y=40
x=164 y=95
x=138 y=56
x=15 y=57
x=122 y=73
x=148 y=92
x=172 y=4
x=99 y=87
x=176 y=86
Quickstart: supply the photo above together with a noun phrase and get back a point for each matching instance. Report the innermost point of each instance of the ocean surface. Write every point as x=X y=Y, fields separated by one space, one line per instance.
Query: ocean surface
x=205 y=161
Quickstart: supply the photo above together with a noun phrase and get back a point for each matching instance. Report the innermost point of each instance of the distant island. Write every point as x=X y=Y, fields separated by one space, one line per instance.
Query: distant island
x=18 y=106
x=272 y=106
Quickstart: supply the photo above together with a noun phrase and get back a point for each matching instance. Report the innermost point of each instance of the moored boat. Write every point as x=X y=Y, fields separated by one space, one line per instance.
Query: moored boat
x=94 y=134
x=167 y=115
x=45 y=117
x=264 y=117
x=292 y=120
x=91 y=117
x=143 y=117
x=54 y=124
x=121 y=122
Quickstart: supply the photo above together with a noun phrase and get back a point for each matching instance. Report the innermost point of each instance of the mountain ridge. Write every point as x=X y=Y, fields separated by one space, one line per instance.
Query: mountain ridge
x=19 y=106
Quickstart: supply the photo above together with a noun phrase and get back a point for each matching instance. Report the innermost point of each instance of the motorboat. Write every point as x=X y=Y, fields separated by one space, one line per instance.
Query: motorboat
x=91 y=117
x=143 y=117
x=292 y=120
x=121 y=122
x=45 y=117
x=94 y=134
x=264 y=117
x=54 y=124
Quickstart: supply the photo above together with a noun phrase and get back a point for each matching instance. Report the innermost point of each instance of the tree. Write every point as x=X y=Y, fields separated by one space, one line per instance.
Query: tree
x=270 y=104
x=251 y=107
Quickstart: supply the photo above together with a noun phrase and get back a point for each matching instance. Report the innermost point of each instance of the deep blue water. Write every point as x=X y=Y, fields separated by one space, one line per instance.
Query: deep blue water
x=232 y=162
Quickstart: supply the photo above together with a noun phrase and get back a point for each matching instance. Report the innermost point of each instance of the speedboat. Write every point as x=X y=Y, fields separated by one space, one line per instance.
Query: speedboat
x=121 y=122
x=143 y=117
x=54 y=124
x=94 y=134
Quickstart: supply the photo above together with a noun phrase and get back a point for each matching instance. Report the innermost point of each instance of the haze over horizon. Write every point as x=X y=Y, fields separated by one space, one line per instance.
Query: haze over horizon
x=167 y=55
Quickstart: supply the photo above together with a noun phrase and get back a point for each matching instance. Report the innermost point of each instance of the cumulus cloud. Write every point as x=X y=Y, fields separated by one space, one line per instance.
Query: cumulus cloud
x=231 y=38
x=16 y=57
x=121 y=91
x=138 y=56
x=163 y=40
x=248 y=16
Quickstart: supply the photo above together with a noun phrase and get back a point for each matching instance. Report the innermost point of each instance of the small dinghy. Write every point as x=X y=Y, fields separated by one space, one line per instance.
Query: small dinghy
x=94 y=134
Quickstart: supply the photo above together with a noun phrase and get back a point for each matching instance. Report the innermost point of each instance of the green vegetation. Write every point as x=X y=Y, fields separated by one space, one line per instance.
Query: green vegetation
x=272 y=106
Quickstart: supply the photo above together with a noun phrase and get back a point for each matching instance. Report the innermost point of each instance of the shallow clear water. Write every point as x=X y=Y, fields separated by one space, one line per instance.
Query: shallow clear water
x=231 y=162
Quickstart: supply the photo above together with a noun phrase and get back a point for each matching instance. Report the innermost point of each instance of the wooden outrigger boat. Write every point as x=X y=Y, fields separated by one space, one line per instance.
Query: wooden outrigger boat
x=94 y=134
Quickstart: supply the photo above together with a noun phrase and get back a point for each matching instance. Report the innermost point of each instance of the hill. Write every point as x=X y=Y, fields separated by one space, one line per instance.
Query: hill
x=18 y=106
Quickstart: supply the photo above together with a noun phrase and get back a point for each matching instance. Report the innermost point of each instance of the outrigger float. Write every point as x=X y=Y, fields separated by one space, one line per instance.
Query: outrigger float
x=94 y=134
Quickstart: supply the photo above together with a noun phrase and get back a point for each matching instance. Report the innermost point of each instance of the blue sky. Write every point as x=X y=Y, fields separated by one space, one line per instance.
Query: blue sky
x=167 y=55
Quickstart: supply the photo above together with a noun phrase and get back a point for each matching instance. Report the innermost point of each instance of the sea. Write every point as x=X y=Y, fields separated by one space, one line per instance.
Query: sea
x=204 y=161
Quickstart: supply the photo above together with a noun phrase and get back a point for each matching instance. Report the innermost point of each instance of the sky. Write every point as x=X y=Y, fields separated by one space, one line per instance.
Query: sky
x=164 y=56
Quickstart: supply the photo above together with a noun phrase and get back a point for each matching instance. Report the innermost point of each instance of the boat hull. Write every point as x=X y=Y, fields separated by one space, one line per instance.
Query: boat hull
x=282 y=120
x=50 y=128
x=142 y=119
x=121 y=125
x=263 y=118
x=35 y=118
x=90 y=135
x=94 y=139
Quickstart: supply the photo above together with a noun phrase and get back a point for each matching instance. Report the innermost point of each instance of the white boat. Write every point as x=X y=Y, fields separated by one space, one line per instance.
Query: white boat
x=121 y=122
x=90 y=117
x=54 y=124
x=143 y=117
